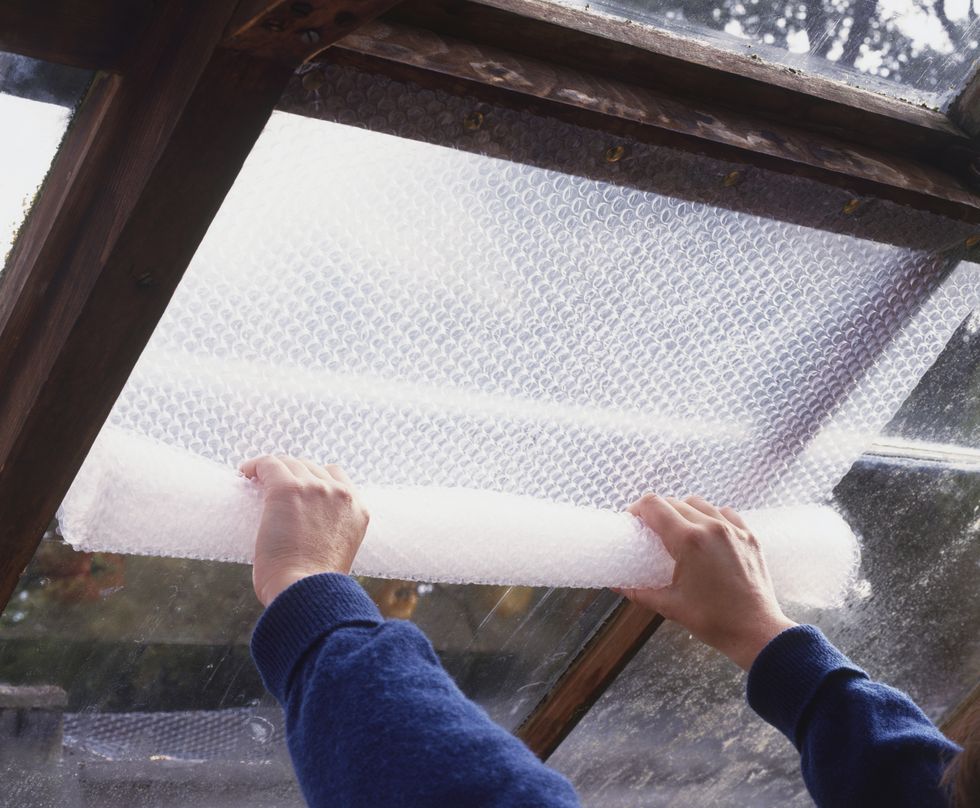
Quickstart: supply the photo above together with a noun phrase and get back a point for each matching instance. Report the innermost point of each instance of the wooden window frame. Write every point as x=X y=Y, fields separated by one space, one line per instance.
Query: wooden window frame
x=181 y=93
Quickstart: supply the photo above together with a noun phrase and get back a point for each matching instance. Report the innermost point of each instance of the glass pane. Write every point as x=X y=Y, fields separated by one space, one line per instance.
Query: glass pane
x=127 y=680
x=941 y=419
x=674 y=729
x=36 y=101
x=921 y=52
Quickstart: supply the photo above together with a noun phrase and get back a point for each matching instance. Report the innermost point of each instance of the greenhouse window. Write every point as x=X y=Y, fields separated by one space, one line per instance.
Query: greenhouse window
x=922 y=53
x=551 y=249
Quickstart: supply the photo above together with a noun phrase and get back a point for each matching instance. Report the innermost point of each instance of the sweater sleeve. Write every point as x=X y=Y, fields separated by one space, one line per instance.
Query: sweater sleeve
x=373 y=719
x=861 y=743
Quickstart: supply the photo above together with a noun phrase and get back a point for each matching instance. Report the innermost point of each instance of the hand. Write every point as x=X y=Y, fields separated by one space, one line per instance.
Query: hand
x=312 y=522
x=721 y=592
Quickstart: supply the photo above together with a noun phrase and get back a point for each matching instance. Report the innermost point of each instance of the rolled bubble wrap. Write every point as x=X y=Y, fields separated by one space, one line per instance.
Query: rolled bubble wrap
x=136 y=495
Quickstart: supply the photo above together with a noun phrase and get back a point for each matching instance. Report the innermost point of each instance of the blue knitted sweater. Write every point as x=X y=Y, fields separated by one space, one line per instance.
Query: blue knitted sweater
x=372 y=719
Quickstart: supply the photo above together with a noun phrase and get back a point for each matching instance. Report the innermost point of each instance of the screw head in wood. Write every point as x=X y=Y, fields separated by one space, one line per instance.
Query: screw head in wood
x=310 y=36
x=473 y=121
x=731 y=179
x=614 y=154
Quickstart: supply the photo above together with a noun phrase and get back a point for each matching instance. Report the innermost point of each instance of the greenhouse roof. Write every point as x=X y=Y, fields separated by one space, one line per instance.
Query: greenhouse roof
x=447 y=212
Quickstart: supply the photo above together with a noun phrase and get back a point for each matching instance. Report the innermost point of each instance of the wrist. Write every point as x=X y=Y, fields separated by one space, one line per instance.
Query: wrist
x=270 y=588
x=747 y=645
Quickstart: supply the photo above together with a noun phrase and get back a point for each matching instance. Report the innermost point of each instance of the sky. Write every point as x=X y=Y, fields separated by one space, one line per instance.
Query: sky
x=29 y=135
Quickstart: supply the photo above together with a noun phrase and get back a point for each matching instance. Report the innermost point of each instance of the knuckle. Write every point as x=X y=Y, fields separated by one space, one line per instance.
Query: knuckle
x=342 y=494
x=717 y=530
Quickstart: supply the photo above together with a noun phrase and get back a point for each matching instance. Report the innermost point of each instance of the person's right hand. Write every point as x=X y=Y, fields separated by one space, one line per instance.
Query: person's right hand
x=312 y=522
x=721 y=592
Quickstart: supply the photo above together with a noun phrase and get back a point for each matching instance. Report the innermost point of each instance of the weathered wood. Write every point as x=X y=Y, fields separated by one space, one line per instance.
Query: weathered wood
x=599 y=662
x=143 y=170
x=965 y=111
x=963 y=718
x=92 y=34
x=292 y=32
x=689 y=50
x=607 y=100
x=644 y=56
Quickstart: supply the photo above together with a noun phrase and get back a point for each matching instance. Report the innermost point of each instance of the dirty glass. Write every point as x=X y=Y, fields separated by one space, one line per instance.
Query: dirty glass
x=923 y=52
x=674 y=729
x=127 y=680
x=941 y=419
x=36 y=102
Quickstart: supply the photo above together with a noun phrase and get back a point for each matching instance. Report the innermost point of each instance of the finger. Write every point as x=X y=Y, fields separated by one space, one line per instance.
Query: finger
x=338 y=474
x=317 y=470
x=656 y=600
x=691 y=514
x=663 y=519
x=734 y=517
x=268 y=470
x=296 y=466
x=701 y=504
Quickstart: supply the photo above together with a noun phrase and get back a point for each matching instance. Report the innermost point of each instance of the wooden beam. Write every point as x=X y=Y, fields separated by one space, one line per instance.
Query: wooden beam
x=605 y=101
x=291 y=32
x=141 y=173
x=686 y=50
x=965 y=111
x=91 y=34
x=963 y=718
x=599 y=662
x=644 y=56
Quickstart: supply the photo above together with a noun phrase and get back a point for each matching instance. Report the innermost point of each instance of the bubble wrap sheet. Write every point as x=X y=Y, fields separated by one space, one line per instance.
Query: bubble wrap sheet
x=553 y=328
x=426 y=532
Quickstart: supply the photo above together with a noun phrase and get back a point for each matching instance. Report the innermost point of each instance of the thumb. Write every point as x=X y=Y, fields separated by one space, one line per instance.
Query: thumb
x=658 y=600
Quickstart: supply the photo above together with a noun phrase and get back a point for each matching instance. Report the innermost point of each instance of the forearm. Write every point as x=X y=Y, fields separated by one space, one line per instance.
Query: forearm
x=372 y=717
x=861 y=742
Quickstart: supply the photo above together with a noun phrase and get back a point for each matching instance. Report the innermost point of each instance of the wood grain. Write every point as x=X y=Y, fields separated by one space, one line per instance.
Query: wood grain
x=644 y=56
x=599 y=662
x=91 y=34
x=139 y=177
x=291 y=32
x=965 y=110
x=607 y=99
x=964 y=718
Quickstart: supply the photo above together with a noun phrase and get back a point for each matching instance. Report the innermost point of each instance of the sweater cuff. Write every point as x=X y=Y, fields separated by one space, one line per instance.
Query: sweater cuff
x=787 y=674
x=302 y=615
